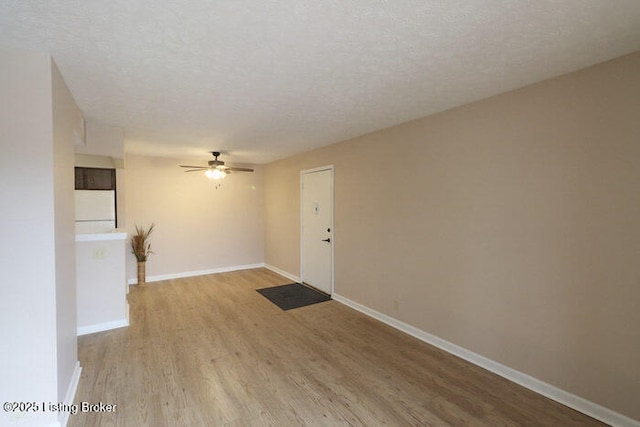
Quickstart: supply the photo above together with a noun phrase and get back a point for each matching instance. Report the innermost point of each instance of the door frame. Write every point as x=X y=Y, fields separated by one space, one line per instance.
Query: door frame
x=333 y=215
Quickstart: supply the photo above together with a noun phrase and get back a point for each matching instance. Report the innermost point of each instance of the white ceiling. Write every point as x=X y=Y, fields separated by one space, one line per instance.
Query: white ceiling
x=262 y=80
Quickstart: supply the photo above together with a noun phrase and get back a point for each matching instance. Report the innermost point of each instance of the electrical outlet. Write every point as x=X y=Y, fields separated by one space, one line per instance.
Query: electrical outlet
x=99 y=253
x=395 y=305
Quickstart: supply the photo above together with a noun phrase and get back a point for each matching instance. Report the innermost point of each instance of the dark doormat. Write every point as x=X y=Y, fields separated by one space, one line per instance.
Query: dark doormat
x=294 y=295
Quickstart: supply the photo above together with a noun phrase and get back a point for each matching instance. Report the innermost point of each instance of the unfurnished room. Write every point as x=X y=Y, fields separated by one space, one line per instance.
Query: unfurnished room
x=248 y=213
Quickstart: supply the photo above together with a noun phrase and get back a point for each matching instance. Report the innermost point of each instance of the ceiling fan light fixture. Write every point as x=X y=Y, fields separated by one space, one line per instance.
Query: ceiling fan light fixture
x=216 y=169
x=215 y=174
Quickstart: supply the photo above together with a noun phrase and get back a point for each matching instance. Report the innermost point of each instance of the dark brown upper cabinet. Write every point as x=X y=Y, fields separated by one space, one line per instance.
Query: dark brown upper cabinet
x=95 y=179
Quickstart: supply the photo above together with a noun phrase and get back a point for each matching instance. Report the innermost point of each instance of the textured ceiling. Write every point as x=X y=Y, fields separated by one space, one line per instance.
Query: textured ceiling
x=266 y=79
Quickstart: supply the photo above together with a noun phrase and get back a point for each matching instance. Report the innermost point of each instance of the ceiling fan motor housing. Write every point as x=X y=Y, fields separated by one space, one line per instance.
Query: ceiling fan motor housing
x=215 y=162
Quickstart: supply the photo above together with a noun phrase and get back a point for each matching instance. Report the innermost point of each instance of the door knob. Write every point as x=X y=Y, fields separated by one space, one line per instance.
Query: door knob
x=328 y=239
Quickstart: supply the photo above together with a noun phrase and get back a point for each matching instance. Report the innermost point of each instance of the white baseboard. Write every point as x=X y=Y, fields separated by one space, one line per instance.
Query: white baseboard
x=99 y=327
x=568 y=399
x=160 y=277
x=63 y=417
x=282 y=273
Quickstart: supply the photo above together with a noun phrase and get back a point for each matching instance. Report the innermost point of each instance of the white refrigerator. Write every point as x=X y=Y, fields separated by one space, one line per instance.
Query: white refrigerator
x=95 y=211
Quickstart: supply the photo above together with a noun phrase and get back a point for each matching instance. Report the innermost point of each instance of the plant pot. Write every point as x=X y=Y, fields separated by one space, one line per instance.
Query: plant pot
x=142 y=276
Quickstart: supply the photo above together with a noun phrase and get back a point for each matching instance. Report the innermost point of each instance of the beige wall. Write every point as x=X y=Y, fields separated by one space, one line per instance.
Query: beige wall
x=101 y=290
x=102 y=139
x=510 y=227
x=67 y=119
x=37 y=307
x=198 y=227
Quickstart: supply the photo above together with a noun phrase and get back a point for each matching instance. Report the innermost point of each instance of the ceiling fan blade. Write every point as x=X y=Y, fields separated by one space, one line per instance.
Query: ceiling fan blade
x=240 y=169
x=216 y=166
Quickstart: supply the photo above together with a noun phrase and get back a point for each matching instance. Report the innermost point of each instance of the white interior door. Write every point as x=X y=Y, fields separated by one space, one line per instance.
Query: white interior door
x=317 y=228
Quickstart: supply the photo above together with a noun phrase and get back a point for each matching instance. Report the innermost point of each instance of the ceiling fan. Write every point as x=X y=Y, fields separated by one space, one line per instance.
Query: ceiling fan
x=216 y=168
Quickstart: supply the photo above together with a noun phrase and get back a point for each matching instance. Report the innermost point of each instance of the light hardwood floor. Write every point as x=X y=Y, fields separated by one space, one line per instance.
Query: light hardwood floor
x=211 y=351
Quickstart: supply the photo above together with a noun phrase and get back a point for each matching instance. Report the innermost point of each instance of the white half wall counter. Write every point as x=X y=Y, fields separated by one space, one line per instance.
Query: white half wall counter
x=101 y=291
